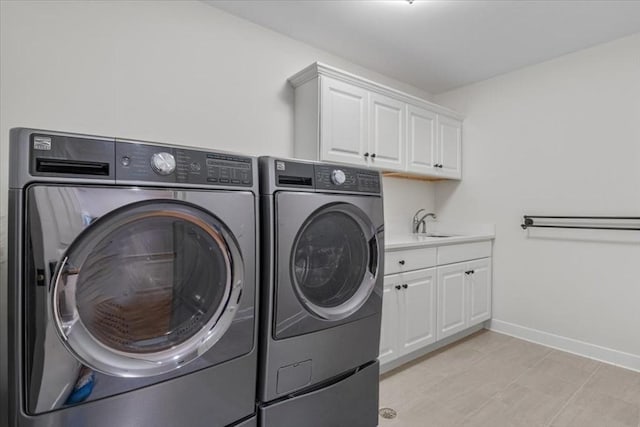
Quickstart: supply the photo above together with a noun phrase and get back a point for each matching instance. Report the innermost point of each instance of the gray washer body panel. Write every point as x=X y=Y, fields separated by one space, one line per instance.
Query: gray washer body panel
x=327 y=349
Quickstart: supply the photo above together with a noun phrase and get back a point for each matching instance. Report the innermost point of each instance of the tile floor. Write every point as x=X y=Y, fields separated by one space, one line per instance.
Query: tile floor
x=493 y=380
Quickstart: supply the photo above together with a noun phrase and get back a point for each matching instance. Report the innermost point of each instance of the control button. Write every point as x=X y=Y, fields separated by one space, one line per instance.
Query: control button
x=212 y=179
x=235 y=181
x=163 y=163
x=195 y=167
x=246 y=181
x=338 y=177
x=224 y=180
x=125 y=161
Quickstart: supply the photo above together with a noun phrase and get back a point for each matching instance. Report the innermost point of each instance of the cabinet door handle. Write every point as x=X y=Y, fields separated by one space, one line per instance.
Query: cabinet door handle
x=366 y=154
x=405 y=286
x=401 y=262
x=467 y=272
x=473 y=272
x=373 y=155
x=398 y=287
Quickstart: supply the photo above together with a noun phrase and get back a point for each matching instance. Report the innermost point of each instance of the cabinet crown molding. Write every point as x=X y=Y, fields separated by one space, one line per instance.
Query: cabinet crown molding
x=320 y=69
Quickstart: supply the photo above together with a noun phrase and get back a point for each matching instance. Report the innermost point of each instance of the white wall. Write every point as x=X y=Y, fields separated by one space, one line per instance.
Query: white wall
x=402 y=198
x=561 y=137
x=181 y=72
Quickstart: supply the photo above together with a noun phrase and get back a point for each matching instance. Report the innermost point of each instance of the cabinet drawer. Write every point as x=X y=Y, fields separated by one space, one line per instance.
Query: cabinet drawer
x=409 y=259
x=463 y=252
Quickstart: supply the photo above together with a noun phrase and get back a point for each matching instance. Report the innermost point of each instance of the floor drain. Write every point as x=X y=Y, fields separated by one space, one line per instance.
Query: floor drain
x=387 y=413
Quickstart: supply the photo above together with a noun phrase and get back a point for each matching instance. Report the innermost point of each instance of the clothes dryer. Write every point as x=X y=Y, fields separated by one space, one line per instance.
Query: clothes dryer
x=132 y=283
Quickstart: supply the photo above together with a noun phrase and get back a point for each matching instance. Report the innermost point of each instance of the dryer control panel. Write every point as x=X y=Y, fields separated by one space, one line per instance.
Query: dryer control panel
x=156 y=163
x=311 y=176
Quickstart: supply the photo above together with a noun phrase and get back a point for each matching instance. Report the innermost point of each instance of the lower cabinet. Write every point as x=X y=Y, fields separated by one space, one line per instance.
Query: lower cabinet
x=408 y=313
x=464 y=296
x=426 y=305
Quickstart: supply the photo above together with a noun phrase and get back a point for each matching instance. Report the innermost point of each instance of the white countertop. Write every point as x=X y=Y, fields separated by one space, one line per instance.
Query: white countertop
x=419 y=241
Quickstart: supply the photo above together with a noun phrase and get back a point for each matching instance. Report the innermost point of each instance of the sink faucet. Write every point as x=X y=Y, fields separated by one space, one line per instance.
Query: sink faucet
x=417 y=221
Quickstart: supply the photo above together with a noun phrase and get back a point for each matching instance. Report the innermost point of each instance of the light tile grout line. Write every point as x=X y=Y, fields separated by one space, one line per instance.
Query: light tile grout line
x=555 y=417
x=468 y=417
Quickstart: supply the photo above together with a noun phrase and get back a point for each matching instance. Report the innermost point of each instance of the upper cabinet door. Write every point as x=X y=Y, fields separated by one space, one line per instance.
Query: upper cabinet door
x=386 y=132
x=422 y=152
x=450 y=144
x=344 y=122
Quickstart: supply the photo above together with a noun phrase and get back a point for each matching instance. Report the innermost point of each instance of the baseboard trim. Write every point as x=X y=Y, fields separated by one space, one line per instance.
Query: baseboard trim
x=570 y=345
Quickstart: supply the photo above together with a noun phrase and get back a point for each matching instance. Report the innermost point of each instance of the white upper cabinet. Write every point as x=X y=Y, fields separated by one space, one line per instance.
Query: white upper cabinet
x=344 y=119
x=386 y=130
x=450 y=147
x=340 y=117
x=422 y=152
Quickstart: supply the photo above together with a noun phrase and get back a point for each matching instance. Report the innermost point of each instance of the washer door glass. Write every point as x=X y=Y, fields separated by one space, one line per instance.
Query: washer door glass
x=333 y=261
x=147 y=288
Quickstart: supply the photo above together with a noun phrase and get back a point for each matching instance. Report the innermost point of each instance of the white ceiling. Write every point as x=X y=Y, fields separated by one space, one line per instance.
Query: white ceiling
x=441 y=45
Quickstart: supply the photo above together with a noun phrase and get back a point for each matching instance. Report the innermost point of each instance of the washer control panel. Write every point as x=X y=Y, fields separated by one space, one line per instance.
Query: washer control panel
x=332 y=177
x=142 y=162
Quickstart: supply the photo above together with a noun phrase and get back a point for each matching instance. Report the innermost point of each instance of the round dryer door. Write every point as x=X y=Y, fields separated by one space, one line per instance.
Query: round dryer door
x=147 y=288
x=333 y=261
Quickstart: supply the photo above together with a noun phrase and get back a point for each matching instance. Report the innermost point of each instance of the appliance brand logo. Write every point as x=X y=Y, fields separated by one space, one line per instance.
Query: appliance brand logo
x=42 y=143
x=280 y=165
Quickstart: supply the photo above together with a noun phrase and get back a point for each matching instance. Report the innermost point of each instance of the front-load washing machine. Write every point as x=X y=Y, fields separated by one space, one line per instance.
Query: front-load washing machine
x=132 y=284
x=322 y=248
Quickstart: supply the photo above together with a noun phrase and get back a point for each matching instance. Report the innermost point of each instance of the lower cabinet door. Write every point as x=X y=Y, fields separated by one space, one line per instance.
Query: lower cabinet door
x=479 y=291
x=390 y=319
x=452 y=298
x=418 y=296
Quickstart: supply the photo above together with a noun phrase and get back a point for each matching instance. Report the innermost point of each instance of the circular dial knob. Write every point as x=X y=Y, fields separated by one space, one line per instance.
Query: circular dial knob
x=163 y=163
x=338 y=177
